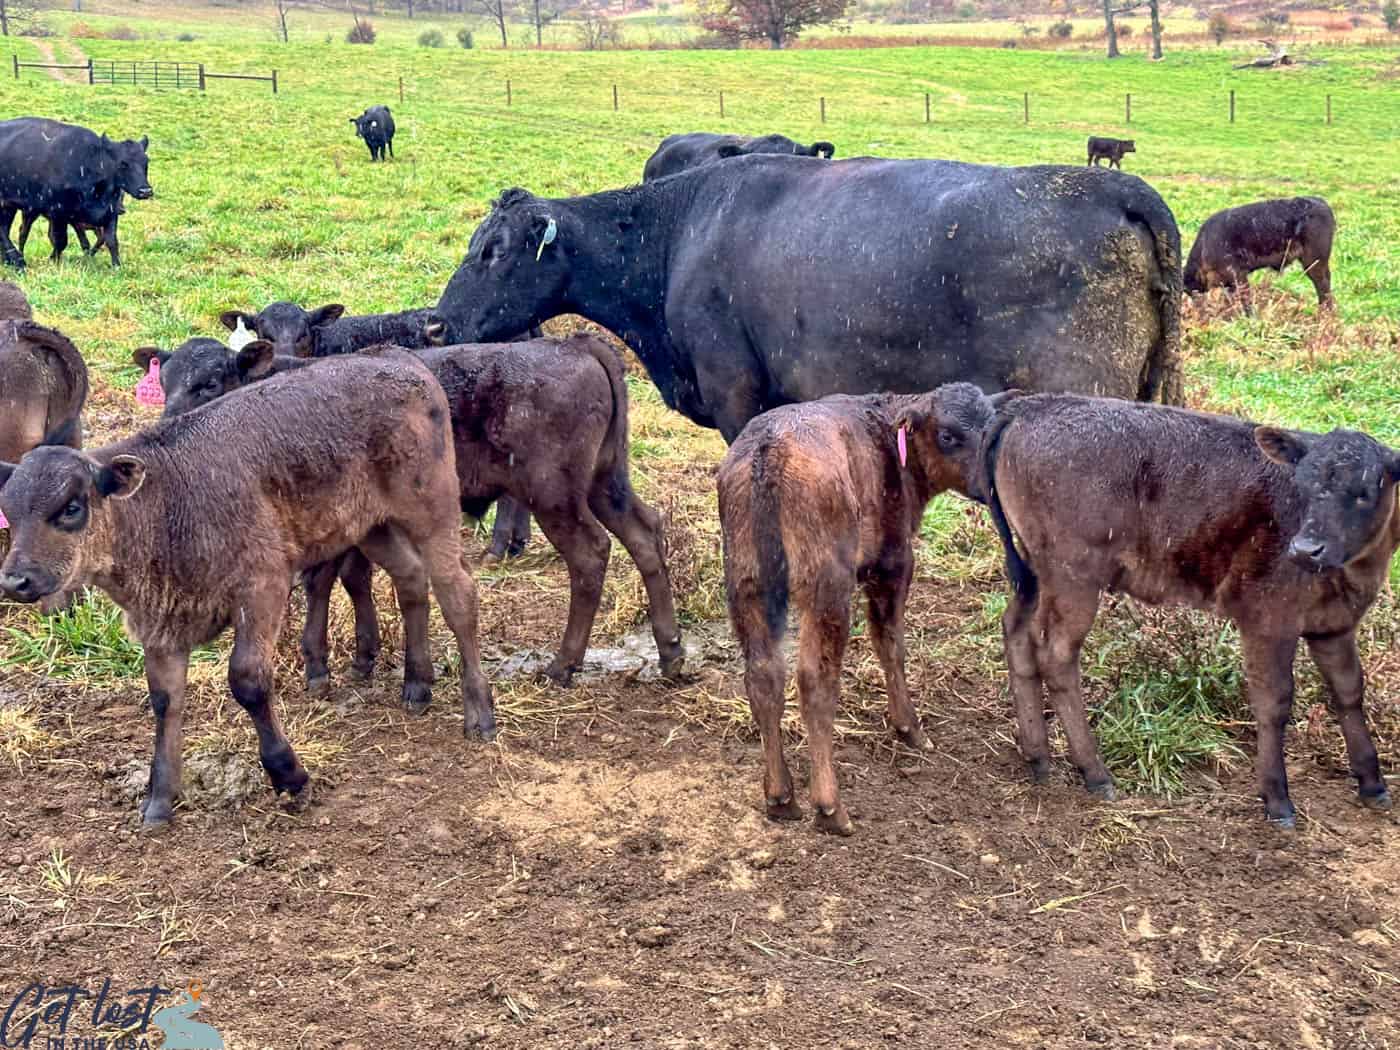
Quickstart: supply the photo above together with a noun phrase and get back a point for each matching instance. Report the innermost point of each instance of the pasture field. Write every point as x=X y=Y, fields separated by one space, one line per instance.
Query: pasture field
x=603 y=875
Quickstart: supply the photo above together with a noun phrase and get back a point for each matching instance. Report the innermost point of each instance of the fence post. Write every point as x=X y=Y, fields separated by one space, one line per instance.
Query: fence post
x=1232 y=105
x=823 y=105
x=1128 y=108
x=1329 y=110
x=1026 y=105
x=274 y=81
x=614 y=98
x=928 y=109
x=401 y=91
x=90 y=79
x=507 y=92
x=16 y=61
x=201 y=76
x=721 y=103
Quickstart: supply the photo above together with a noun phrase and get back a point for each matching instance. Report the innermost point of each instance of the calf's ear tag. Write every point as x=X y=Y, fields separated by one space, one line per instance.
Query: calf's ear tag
x=551 y=231
x=902 y=441
x=148 y=391
x=4 y=522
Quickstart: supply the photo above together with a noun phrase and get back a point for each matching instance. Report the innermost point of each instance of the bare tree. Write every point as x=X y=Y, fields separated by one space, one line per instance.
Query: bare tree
x=776 y=21
x=282 y=6
x=16 y=15
x=1111 y=30
x=499 y=11
x=543 y=15
x=595 y=29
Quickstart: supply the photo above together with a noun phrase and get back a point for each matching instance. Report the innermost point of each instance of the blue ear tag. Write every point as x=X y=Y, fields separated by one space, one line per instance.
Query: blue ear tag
x=550 y=232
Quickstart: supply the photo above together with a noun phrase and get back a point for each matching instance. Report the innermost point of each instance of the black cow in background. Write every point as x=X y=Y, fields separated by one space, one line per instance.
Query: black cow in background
x=376 y=126
x=100 y=220
x=768 y=280
x=1111 y=150
x=67 y=173
x=681 y=152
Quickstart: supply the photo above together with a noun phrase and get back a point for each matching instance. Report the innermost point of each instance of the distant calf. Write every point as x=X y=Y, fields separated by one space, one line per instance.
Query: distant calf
x=201 y=522
x=1271 y=234
x=1111 y=150
x=98 y=218
x=815 y=498
x=1288 y=534
x=681 y=152
x=376 y=126
x=326 y=331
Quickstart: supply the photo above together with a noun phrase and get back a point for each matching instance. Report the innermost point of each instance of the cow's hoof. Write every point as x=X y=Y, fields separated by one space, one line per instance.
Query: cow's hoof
x=297 y=801
x=362 y=667
x=914 y=738
x=837 y=822
x=560 y=673
x=673 y=666
x=416 y=697
x=1104 y=790
x=155 y=816
x=1379 y=801
x=490 y=558
x=317 y=684
x=778 y=809
x=1286 y=819
x=480 y=729
x=1039 y=769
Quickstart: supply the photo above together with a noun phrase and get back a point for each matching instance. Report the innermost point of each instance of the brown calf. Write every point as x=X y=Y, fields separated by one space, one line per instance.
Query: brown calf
x=1235 y=242
x=43 y=385
x=1111 y=150
x=202 y=522
x=1288 y=534
x=545 y=421
x=813 y=500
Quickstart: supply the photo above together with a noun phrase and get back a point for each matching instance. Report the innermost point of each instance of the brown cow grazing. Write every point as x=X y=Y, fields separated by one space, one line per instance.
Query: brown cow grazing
x=1288 y=534
x=813 y=500
x=14 y=306
x=1111 y=150
x=545 y=421
x=1271 y=234
x=202 y=521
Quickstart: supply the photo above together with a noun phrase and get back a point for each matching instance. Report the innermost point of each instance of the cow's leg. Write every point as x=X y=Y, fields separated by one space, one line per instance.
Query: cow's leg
x=113 y=249
x=357 y=577
x=58 y=237
x=83 y=241
x=1027 y=693
x=885 y=597
x=166 y=672
x=1061 y=622
x=315 y=649
x=13 y=256
x=250 y=680
x=456 y=597
x=390 y=144
x=1320 y=274
x=638 y=527
x=1340 y=664
x=765 y=678
x=391 y=550
x=1268 y=669
x=26 y=223
x=584 y=545
x=821 y=645
x=511 y=532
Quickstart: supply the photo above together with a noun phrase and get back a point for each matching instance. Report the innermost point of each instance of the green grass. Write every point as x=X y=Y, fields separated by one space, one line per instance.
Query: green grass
x=262 y=198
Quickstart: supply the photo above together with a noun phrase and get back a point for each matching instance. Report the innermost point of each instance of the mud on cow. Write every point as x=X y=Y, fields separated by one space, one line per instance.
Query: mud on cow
x=1235 y=242
x=70 y=175
x=679 y=152
x=767 y=280
x=1288 y=534
x=187 y=549
x=376 y=126
x=813 y=500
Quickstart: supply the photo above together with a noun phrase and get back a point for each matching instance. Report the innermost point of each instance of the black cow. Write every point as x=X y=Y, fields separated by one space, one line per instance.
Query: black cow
x=67 y=173
x=1111 y=150
x=768 y=280
x=681 y=152
x=1235 y=242
x=100 y=219
x=376 y=126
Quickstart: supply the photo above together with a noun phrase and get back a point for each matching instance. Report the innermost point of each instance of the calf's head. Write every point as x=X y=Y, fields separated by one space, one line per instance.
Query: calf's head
x=1347 y=481
x=200 y=370
x=776 y=144
x=944 y=431
x=1127 y=146
x=289 y=328
x=132 y=162
x=52 y=498
x=515 y=273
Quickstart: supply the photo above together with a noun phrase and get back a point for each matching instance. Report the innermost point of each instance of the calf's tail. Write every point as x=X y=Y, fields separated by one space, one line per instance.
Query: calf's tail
x=65 y=402
x=1161 y=376
x=772 y=568
x=1022 y=576
x=615 y=448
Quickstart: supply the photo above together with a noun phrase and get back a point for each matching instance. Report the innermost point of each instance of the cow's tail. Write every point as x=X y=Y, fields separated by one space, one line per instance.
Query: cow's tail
x=772 y=568
x=614 y=450
x=1162 y=375
x=755 y=557
x=66 y=402
x=1023 y=579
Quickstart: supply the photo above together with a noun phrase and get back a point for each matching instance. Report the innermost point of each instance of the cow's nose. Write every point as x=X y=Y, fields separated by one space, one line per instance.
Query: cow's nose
x=1306 y=549
x=17 y=585
x=144 y=193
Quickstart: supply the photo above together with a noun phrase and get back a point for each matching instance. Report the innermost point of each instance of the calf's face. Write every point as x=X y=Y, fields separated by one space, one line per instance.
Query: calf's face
x=132 y=165
x=50 y=498
x=288 y=327
x=200 y=370
x=1347 y=481
x=944 y=433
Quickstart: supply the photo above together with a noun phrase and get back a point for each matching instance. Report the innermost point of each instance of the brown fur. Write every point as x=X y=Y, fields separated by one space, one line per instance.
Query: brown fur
x=202 y=521
x=43 y=385
x=1111 y=150
x=1187 y=510
x=14 y=306
x=812 y=502
x=545 y=421
x=1266 y=235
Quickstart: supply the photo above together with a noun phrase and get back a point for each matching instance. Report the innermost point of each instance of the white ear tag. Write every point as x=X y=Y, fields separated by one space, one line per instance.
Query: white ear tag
x=550 y=232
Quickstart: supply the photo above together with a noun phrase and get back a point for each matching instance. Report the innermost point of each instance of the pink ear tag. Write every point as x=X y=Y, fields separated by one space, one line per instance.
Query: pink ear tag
x=4 y=524
x=903 y=444
x=148 y=391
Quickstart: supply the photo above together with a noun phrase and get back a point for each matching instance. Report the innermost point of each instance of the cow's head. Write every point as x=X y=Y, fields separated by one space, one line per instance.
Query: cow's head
x=132 y=165
x=774 y=144
x=51 y=498
x=1127 y=146
x=515 y=274
x=365 y=124
x=943 y=432
x=289 y=328
x=1347 y=481
x=200 y=370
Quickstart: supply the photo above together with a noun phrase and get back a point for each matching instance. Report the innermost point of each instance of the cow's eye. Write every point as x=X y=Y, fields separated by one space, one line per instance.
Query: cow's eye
x=71 y=511
x=211 y=387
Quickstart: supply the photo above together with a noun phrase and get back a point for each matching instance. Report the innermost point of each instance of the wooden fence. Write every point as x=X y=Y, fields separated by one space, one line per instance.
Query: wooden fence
x=154 y=74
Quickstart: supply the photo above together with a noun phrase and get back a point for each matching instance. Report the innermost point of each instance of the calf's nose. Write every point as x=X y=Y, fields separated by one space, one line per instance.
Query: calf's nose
x=17 y=585
x=1306 y=549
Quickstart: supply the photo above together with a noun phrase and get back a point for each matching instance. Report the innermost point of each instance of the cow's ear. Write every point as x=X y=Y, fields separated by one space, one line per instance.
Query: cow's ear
x=145 y=141
x=143 y=355
x=997 y=400
x=256 y=359
x=1284 y=447
x=6 y=469
x=121 y=478
x=435 y=332
x=730 y=149
x=1395 y=464
x=324 y=315
x=230 y=318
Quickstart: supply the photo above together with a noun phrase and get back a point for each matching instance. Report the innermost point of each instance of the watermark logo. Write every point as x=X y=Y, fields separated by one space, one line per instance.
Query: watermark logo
x=71 y=1017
